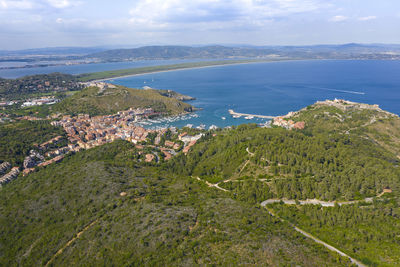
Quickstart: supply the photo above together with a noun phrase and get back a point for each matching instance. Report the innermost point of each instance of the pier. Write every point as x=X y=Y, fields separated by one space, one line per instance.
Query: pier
x=233 y=113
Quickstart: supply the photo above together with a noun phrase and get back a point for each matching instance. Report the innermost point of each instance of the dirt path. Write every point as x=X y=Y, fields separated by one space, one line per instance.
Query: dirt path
x=70 y=242
x=212 y=185
x=317 y=240
x=250 y=153
x=306 y=234
x=244 y=166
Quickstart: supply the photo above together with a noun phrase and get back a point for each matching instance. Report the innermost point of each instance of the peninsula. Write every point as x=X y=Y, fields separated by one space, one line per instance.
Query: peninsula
x=104 y=75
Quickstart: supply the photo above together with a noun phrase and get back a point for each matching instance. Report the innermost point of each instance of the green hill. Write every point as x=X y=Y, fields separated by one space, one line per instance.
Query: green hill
x=95 y=101
x=75 y=208
x=35 y=85
x=168 y=215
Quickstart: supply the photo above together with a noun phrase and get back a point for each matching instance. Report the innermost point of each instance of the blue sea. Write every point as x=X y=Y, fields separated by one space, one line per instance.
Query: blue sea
x=259 y=88
x=274 y=88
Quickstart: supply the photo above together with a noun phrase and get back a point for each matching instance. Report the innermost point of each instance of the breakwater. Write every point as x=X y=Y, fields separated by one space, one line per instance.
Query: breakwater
x=233 y=113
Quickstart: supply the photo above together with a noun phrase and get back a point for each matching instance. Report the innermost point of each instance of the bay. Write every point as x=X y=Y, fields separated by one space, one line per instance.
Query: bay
x=274 y=88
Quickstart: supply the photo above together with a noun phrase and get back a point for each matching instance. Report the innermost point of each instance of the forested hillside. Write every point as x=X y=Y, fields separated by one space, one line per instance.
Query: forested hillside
x=132 y=213
x=18 y=138
x=96 y=101
x=106 y=206
x=37 y=84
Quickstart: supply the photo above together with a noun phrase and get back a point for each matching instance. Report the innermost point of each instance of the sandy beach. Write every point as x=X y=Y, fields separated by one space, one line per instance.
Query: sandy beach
x=188 y=68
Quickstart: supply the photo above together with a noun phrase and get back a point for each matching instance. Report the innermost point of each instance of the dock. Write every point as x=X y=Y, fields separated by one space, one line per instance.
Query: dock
x=233 y=113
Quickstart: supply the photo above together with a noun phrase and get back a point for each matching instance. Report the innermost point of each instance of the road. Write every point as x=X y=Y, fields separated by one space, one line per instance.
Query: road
x=317 y=240
x=314 y=202
x=301 y=231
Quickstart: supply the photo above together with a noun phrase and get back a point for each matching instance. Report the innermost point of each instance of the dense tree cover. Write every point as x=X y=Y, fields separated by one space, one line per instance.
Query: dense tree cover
x=93 y=101
x=368 y=232
x=329 y=167
x=379 y=127
x=18 y=138
x=164 y=219
x=42 y=83
x=251 y=191
x=167 y=217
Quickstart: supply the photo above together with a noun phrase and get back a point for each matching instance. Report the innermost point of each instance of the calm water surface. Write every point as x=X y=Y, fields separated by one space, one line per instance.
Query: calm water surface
x=275 y=88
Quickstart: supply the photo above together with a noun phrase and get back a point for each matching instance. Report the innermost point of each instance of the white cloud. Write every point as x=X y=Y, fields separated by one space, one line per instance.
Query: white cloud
x=16 y=4
x=367 y=18
x=62 y=3
x=338 y=18
x=255 y=12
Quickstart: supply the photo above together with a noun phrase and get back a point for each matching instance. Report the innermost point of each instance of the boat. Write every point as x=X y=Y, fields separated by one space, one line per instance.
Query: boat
x=223 y=118
x=249 y=117
x=236 y=116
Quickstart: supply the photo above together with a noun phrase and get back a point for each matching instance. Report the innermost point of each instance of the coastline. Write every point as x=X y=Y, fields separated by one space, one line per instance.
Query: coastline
x=200 y=67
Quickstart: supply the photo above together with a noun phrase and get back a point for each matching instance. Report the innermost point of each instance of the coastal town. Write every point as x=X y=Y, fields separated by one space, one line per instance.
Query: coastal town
x=85 y=132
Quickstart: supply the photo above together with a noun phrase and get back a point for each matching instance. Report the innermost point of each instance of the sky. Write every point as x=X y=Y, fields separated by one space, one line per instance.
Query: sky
x=50 y=23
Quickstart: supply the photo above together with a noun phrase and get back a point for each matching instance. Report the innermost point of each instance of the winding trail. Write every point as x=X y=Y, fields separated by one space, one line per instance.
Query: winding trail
x=301 y=231
x=250 y=153
x=212 y=185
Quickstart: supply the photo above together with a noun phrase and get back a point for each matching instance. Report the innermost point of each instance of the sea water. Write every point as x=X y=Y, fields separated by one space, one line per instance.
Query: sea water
x=274 y=88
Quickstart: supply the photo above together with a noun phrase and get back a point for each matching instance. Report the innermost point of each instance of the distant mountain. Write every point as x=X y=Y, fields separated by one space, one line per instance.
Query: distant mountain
x=181 y=52
x=345 y=51
x=164 y=52
x=52 y=51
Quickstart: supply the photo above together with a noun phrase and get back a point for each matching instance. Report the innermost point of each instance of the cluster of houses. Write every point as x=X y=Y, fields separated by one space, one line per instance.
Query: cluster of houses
x=7 y=176
x=36 y=159
x=4 y=167
x=188 y=140
x=49 y=100
x=87 y=132
x=8 y=103
x=5 y=118
x=285 y=122
x=11 y=175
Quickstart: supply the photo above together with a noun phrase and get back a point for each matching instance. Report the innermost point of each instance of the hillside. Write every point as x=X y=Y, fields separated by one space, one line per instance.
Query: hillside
x=347 y=152
x=174 y=52
x=35 y=85
x=346 y=51
x=161 y=219
x=204 y=207
x=96 y=101
x=15 y=143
